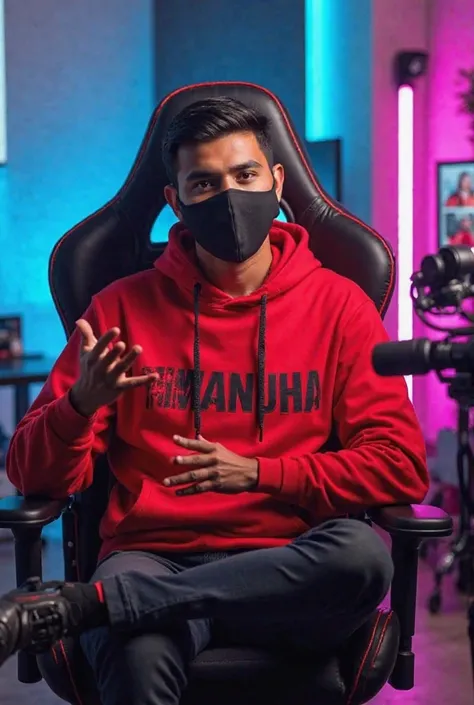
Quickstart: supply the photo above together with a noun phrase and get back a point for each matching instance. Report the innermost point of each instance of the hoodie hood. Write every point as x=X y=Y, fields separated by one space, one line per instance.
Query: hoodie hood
x=292 y=262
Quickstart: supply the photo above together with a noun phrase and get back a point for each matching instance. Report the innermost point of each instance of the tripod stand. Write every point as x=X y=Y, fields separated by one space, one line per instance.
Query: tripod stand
x=461 y=389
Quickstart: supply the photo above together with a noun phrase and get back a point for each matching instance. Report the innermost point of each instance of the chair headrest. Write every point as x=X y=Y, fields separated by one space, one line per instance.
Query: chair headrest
x=115 y=241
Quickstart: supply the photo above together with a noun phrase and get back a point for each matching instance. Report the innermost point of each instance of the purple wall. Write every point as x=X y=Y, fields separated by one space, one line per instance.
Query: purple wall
x=451 y=25
x=445 y=30
x=398 y=27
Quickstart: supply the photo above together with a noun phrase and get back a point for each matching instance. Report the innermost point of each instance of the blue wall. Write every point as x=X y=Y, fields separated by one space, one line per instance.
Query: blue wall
x=257 y=41
x=339 y=90
x=79 y=95
x=82 y=80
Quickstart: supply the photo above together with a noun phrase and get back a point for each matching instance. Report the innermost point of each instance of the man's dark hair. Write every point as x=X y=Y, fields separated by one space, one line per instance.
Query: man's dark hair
x=207 y=120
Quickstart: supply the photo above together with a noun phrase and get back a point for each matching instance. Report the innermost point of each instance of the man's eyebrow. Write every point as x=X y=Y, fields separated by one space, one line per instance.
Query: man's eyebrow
x=250 y=164
x=196 y=174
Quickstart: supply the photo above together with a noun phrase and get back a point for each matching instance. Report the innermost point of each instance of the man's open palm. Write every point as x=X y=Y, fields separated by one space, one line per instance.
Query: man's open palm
x=104 y=369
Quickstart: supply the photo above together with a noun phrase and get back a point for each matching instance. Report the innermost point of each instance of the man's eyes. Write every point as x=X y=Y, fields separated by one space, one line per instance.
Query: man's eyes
x=202 y=185
x=246 y=175
x=206 y=184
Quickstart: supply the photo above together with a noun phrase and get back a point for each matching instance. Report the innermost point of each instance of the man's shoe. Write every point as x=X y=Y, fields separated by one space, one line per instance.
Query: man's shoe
x=33 y=617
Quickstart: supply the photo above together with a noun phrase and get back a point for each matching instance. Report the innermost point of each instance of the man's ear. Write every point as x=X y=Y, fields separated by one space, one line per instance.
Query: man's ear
x=279 y=176
x=171 y=195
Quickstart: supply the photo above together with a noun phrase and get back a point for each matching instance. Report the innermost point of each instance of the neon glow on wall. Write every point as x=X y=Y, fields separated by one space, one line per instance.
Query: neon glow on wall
x=317 y=75
x=3 y=89
x=405 y=216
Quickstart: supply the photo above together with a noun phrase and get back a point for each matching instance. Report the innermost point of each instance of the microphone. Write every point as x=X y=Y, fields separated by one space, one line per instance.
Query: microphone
x=420 y=356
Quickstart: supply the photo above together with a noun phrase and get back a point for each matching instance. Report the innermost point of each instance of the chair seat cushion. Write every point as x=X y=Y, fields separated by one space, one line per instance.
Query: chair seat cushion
x=245 y=676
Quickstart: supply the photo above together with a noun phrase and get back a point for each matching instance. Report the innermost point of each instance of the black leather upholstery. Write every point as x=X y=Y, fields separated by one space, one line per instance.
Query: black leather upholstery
x=115 y=242
x=418 y=520
x=118 y=235
x=234 y=676
x=32 y=512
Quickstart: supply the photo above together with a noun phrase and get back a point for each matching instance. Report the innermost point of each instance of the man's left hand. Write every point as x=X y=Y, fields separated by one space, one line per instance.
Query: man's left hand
x=212 y=468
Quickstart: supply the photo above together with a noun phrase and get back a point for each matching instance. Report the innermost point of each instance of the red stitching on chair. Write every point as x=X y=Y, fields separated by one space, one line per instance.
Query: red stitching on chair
x=63 y=652
x=364 y=659
x=53 y=651
x=381 y=639
x=144 y=145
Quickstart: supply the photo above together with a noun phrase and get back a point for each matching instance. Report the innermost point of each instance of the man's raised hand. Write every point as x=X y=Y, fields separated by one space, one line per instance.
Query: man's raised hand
x=103 y=370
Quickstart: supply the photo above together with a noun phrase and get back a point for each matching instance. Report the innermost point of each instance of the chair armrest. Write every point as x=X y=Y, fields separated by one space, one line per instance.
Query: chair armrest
x=408 y=525
x=30 y=512
x=418 y=521
x=26 y=516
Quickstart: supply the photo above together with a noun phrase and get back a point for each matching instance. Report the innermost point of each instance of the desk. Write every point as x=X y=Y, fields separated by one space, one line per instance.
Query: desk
x=21 y=374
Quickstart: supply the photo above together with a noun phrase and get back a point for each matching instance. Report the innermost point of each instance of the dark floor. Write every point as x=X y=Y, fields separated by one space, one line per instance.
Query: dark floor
x=443 y=675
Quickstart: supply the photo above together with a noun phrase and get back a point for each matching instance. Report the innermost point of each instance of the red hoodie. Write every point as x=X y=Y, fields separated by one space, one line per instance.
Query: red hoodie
x=277 y=402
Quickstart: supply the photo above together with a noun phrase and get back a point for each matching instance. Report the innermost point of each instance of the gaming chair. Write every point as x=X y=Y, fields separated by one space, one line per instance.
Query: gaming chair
x=115 y=242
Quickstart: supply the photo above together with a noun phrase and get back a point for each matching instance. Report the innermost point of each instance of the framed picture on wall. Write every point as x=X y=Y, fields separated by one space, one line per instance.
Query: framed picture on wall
x=456 y=203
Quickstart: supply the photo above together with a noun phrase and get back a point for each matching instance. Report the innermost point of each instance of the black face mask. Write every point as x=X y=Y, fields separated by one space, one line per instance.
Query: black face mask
x=233 y=225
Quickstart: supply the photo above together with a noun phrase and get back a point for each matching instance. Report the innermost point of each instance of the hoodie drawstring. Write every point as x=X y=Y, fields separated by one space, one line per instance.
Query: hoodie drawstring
x=260 y=365
x=197 y=365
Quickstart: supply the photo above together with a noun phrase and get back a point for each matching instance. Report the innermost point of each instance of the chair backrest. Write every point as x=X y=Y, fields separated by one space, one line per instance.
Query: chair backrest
x=115 y=241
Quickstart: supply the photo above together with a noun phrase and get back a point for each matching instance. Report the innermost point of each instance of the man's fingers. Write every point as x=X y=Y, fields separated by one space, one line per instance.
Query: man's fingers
x=110 y=357
x=199 y=444
x=102 y=344
x=187 y=477
x=132 y=382
x=126 y=362
x=206 y=486
x=201 y=461
x=85 y=329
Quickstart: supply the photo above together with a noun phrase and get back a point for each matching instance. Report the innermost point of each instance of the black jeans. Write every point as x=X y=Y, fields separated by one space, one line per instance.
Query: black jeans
x=311 y=594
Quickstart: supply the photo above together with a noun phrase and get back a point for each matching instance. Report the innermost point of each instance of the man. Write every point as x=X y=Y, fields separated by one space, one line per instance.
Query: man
x=227 y=518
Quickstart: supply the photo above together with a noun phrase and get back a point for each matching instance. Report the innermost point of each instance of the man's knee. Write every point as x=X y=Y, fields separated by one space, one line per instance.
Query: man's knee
x=357 y=558
x=365 y=557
